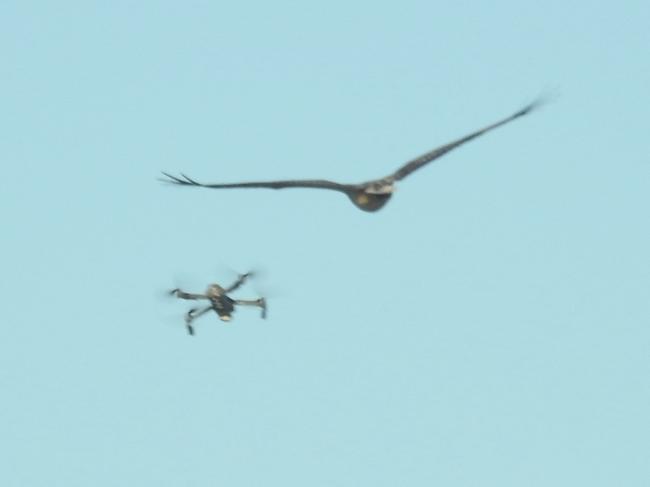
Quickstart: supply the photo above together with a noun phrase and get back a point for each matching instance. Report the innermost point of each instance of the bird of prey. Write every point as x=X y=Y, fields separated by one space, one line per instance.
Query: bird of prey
x=371 y=195
x=220 y=302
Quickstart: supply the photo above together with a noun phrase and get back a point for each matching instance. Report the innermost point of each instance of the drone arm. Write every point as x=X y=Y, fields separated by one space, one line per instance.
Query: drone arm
x=192 y=315
x=259 y=303
x=240 y=281
x=183 y=295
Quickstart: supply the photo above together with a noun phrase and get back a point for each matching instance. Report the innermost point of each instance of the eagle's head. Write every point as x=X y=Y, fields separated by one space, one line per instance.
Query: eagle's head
x=373 y=195
x=380 y=187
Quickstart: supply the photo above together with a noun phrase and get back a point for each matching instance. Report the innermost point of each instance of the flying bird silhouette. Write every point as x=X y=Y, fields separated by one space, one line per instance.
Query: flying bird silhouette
x=371 y=195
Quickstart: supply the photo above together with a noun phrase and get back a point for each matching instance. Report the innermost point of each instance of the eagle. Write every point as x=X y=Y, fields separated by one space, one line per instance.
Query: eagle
x=369 y=196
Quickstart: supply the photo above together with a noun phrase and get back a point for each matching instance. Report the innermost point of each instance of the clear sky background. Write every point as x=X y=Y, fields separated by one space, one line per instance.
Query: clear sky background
x=489 y=326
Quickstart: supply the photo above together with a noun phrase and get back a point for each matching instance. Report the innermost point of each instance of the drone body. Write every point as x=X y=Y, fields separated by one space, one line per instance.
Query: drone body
x=220 y=302
x=369 y=196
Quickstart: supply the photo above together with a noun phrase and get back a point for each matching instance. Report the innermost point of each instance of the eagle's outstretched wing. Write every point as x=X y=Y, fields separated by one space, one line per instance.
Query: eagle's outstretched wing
x=434 y=154
x=184 y=180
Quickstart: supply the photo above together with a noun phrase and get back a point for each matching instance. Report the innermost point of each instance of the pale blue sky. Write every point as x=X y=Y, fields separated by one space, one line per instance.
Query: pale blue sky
x=490 y=326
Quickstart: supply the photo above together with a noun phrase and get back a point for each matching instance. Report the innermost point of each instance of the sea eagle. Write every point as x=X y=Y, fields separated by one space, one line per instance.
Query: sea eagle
x=368 y=196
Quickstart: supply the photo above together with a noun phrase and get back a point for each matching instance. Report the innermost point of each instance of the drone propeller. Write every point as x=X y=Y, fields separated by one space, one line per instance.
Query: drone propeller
x=188 y=321
x=262 y=304
x=227 y=273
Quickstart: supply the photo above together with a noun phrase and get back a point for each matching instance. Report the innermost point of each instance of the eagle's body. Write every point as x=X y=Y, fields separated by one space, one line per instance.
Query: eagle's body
x=371 y=195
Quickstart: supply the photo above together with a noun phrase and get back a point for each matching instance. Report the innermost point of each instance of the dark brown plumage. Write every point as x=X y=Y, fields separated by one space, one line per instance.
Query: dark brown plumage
x=371 y=195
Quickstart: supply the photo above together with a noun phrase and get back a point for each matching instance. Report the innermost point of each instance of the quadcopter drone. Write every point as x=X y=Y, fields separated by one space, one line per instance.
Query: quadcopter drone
x=220 y=302
x=371 y=195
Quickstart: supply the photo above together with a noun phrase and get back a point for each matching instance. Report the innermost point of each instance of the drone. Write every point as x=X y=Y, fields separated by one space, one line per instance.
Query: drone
x=371 y=195
x=220 y=302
